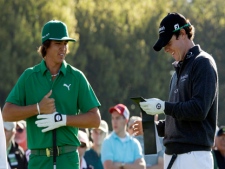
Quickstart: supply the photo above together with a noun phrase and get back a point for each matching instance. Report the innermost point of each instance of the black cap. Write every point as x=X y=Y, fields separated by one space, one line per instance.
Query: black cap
x=170 y=24
x=221 y=131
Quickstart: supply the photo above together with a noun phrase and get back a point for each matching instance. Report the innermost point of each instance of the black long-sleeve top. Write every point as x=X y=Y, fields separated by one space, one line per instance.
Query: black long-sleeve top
x=191 y=111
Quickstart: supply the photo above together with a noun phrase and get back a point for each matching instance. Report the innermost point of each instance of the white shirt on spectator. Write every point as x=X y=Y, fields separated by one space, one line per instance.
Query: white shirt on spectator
x=3 y=155
x=83 y=163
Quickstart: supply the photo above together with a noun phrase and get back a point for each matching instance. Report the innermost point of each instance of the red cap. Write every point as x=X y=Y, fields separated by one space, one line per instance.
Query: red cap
x=121 y=109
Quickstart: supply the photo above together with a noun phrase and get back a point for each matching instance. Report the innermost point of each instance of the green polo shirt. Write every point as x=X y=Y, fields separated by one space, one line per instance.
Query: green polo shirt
x=72 y=93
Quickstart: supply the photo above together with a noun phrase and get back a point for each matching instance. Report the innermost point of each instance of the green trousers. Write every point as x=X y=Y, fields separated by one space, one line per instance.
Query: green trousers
x=67 y=160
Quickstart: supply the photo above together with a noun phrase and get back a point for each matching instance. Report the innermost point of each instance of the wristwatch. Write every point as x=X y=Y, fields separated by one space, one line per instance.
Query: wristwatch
x=122 y=165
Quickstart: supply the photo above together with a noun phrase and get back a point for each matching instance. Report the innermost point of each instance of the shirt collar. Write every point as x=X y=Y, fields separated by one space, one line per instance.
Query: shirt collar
x=114 y=135
x=192 y=52
x=62 y=68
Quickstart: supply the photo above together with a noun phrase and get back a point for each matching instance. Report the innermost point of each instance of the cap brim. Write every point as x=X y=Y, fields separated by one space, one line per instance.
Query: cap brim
x=114 y=109
x=103 y=129
x=21 y=124
x=65 y=38
x=221 y=132
x=83 y=140
x=161 y=42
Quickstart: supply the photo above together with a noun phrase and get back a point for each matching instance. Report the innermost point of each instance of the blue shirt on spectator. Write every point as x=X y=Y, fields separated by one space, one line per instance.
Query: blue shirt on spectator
x=124 y=150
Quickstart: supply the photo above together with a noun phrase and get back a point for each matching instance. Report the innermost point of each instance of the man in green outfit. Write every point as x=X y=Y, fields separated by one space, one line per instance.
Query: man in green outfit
x=53 y=95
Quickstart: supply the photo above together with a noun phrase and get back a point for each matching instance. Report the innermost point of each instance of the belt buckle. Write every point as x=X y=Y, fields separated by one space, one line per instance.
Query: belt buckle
x=49 y=151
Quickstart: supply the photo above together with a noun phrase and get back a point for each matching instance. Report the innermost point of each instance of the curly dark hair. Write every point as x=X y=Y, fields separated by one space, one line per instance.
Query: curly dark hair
x=190 y=31
x=43 y=48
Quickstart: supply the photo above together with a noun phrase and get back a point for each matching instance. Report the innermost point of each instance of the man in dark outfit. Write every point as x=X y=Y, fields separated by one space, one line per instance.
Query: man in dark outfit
x=219 y=153
x=16 y=156
x=191 y=110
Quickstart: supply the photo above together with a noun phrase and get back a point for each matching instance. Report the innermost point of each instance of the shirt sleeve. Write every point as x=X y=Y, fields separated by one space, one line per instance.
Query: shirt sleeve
x=87 y=98
x=106 y=151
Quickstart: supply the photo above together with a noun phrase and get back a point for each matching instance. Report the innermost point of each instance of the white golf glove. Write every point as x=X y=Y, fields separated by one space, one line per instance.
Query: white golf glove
x=51 y=121
x=153 y=106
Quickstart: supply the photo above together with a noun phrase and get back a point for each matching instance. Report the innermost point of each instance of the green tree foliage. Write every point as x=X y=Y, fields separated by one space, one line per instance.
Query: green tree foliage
x=114 y=43
x=116 y=51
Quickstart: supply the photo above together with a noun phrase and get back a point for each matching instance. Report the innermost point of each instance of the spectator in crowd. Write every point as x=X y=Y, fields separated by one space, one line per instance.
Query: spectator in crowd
x=84 y=142
x=153 y=161
x=130 y=127
x=16 y=156
x=93 y=155
x=21 y=136
x=219 y=151
x=119 y=149
x=3 y=155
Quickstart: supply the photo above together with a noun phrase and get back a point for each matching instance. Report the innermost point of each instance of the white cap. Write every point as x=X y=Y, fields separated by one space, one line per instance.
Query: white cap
x=82 y=136
x=103 y=126
x=22 y=124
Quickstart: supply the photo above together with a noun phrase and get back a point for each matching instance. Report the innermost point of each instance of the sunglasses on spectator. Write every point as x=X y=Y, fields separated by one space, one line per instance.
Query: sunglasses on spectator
x=97 y=131
x=83 y=145
x=19 y=130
